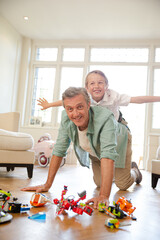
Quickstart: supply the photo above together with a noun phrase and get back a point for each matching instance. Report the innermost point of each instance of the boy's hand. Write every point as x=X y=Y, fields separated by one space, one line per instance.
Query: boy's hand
x=43 y=103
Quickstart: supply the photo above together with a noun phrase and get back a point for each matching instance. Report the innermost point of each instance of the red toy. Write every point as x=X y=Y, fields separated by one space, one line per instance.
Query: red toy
x=71 y=204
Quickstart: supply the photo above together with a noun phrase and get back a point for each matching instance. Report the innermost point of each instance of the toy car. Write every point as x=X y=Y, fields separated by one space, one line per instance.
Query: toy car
x=43 y=150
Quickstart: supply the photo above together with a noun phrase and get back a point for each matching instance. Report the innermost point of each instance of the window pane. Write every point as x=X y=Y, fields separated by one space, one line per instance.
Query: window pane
x=119 y=55
x=73 y=54
x=46 y=54
x=157 y=55
x=70 y=77
x=44 y=79
x=130 y=80
x=156 y=106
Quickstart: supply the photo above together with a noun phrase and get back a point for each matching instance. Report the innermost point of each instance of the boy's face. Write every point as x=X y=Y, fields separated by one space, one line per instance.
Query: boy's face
x=78 y=111
x=96 y=86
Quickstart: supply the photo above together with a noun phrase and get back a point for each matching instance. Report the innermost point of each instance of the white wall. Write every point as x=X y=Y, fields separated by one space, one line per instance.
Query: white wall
x=10 y=54
x=23 y=78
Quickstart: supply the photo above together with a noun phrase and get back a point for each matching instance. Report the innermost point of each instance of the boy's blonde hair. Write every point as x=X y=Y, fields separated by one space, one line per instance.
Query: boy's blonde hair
x=96 y=72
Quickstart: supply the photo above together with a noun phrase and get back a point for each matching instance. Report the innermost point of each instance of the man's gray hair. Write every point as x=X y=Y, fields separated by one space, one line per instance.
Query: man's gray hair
x=75 y=91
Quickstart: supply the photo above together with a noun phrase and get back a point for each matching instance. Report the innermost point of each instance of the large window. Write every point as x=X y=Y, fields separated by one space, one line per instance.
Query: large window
x=59 y=67
x=157 y=55
x=119 y=55
x=73 y=54
x=44 y=79
x=46 y=54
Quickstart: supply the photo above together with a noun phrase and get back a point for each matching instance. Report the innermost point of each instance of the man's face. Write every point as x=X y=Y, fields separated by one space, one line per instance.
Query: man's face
x=77 y=111
x=96 y=86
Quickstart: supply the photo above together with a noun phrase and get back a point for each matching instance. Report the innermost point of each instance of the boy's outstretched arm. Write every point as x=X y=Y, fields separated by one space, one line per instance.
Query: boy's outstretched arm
x=145 y=99
x=45 y=104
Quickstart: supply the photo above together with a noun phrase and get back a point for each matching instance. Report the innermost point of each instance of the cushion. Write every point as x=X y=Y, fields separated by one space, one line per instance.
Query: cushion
x=17 y=157
x=15 y=140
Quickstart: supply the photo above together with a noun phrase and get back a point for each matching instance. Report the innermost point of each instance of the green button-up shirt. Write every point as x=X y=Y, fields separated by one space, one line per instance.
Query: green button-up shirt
x=107 y=137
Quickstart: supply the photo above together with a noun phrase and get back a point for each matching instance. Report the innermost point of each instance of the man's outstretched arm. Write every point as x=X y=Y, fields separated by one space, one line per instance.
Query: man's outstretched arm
x=107 y=166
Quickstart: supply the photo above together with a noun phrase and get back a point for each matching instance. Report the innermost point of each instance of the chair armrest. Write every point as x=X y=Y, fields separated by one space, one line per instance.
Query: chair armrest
x=10 y=121
x=155 y=166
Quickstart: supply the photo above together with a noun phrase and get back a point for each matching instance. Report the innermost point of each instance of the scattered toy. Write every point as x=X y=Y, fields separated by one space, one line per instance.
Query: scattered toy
x=112 y=211
x=114 y=223
x=40 y=217
x=39 y=200
x=117 y=211
x=122 y=208
x=70 y=204
x=126 y=205
x=16 y=207
x=4 y=197
x=10 y=204
x=5 y=217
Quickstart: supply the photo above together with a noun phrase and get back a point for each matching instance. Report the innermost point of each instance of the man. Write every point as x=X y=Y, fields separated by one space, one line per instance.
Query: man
x=93 y=131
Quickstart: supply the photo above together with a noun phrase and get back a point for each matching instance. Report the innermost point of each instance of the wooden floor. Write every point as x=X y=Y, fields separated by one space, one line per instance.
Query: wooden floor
x=78 y=227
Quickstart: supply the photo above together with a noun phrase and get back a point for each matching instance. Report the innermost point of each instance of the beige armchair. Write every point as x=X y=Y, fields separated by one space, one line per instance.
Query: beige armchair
x=15 y=147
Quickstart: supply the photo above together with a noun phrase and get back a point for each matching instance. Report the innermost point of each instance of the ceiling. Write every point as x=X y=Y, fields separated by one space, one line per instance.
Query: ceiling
x=84 y=19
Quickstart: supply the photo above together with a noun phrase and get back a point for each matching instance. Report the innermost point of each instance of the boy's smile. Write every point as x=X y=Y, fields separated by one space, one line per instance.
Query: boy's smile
x=96 y=86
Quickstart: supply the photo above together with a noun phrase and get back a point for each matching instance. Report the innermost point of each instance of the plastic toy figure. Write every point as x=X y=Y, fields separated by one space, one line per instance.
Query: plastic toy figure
x=114 y=223
x=117 y=211
x=39 y=200
x=126 y=205
x=70 y=204
x=122 y=208
x=10 y=204
x=16 y=207
x=43 y=150
x=112 y=211
x=4 y=197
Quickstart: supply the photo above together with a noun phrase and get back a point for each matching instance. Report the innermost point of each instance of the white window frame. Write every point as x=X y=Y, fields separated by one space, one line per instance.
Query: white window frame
x=86 y=64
